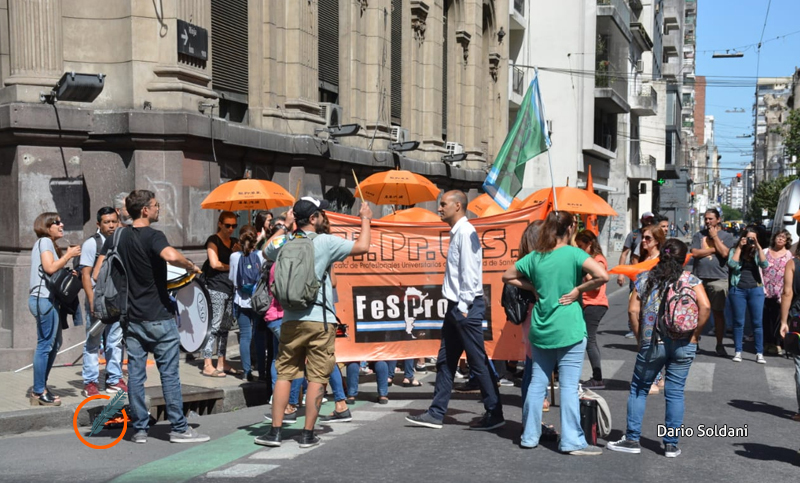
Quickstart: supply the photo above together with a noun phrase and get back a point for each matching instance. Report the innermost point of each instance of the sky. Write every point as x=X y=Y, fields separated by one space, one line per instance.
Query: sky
x=723 y=25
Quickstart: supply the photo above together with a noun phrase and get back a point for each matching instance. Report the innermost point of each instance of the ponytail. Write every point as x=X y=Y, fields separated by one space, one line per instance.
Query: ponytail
x=555 y=227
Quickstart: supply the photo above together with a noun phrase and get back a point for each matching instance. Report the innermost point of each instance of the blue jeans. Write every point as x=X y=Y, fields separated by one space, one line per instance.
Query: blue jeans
x=570 y=362
x=247 y=322
x=112 y=351
x=48 y=333
x=352 y=378
x=383 y=371
x=408 y=368
x=464 y=334
x=677 y=357
x=527 y=375
x=274 y=326
x=337 y=387
x=747 y=300
x=161 y=338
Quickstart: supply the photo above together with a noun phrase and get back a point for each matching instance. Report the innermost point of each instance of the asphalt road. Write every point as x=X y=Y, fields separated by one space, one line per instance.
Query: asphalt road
x=380 y=446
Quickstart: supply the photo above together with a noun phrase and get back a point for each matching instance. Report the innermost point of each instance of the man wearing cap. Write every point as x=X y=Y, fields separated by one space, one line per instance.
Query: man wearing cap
x=710 y=248
x=306 y=342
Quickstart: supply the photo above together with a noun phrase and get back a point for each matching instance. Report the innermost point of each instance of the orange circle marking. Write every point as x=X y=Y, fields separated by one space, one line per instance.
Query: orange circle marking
x=80 y=436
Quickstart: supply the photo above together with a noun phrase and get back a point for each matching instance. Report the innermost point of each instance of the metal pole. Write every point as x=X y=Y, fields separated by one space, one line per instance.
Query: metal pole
x=552 y=181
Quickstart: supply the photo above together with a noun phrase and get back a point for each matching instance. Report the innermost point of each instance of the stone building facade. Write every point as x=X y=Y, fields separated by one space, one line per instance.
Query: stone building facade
x=179 y=124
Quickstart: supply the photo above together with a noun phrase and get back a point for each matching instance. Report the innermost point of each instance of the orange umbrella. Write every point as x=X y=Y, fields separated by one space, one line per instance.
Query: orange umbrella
x=591 y=220
x=632 y=271
x=398 y=187
x=796 y=216
x=247 y=194
x=573 y=200
x=484 y=205
x=413 y=215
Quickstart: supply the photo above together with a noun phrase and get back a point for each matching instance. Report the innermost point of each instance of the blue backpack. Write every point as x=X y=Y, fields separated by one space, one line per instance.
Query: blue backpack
x=248 y=274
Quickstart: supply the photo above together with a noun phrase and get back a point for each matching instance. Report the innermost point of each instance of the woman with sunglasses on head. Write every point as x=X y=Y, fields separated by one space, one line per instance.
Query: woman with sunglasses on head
x=653 y=239
x=219 y=248
x=747 y=292
x=46 y=258
x=778 y=255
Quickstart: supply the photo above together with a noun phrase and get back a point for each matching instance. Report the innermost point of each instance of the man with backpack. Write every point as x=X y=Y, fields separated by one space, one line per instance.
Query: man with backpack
x=302 y=286
x=148 y=316
x=107 y=222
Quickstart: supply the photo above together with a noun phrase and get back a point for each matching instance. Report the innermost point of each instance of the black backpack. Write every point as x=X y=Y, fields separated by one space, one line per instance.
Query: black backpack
x=111 y=290
x=515 y=303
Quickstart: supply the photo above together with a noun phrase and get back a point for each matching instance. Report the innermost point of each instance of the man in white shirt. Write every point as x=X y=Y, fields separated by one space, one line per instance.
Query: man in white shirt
x=107 y=223
x=462 y=330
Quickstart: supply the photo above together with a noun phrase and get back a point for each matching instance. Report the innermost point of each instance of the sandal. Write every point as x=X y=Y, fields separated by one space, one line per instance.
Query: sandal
x=412 y=383
x=233 y=372
x=383 y=400
x=216 y=373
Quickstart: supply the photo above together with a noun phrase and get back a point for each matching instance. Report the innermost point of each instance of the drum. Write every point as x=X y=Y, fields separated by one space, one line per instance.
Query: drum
x=194 y=311
x=177 y=278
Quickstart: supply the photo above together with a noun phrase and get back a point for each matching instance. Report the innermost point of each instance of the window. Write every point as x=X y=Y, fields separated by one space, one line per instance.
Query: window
x=328 y=51
x=229 y=57
x=397 y=61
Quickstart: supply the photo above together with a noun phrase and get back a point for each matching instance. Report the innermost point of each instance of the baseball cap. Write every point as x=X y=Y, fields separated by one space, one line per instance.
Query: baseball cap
x=647 y=215
x=307 y=206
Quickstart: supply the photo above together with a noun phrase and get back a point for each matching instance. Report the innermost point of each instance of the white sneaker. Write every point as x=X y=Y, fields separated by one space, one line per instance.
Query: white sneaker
x=324 y=400
x=505 y=382
x=760 y=359
x=737 y=357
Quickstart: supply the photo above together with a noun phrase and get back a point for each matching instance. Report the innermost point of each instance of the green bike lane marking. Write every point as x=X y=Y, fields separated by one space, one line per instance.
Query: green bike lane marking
x=204 y=457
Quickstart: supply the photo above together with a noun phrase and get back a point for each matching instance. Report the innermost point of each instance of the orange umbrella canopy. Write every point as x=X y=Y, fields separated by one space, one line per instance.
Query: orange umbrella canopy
x=484 y=205
x=574 y=200
x=413 y=215
x=796 y=216
x=247 y=194
x=398 y=187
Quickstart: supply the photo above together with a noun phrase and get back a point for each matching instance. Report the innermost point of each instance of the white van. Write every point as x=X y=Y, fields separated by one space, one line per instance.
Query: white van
x=788 y=205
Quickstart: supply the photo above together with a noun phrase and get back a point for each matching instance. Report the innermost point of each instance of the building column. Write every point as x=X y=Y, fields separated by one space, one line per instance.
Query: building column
x=430 y=87
x=301 y=69
x=471 y=95
x=373 y=97
x=36 y=50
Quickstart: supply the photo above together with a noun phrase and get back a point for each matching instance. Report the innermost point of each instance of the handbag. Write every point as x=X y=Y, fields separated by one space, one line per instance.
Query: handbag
x=64 y=284
x=515 y=302
x=229 y=321
x=791 y=343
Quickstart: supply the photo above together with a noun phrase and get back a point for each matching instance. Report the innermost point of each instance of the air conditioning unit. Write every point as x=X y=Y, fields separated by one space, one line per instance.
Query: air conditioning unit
x=332 y=113
x=639 y=66
x=399 y=134
x=454 y=148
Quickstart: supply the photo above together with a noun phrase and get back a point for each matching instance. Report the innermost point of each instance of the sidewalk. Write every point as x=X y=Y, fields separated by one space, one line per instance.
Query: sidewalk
x=204 y=395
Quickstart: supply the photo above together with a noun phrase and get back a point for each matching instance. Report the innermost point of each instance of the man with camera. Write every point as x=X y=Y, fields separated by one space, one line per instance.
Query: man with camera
x=710 y=248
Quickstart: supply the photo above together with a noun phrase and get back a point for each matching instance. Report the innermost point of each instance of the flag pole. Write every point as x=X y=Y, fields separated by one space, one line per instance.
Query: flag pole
x=552 y=181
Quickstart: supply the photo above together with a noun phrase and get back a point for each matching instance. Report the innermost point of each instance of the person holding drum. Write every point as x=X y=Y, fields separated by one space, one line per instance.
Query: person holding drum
x=244 y=274
x=219 y=246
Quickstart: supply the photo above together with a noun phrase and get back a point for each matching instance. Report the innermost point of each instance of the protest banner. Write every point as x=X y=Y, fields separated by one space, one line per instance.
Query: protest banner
x=390 y=298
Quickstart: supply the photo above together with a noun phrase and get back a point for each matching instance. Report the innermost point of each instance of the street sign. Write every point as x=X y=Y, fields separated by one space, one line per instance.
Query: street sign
x=692 y=211
x=192 y=40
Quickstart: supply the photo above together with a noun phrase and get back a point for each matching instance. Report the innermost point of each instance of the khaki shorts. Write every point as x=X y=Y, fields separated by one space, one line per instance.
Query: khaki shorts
x=717 y=291
x=305 y=345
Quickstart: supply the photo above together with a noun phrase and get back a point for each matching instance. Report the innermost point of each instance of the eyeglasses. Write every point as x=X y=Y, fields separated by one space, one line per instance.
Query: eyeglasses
x=647 y=238
x=58 y=222
x=230 y=226
x=154 y=207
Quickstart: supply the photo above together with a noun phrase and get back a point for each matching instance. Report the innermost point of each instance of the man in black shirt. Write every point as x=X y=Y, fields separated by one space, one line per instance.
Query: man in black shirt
x=151 y=325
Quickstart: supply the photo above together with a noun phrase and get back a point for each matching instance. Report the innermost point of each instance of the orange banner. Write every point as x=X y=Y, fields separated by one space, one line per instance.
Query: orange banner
x=390 y=299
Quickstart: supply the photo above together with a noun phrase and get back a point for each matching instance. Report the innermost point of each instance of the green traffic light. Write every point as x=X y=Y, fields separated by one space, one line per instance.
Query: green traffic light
x=661 y=181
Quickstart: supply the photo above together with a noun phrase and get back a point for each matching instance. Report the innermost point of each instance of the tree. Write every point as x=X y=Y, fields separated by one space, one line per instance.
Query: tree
x=791 y=134
x=729 y=213
x=766 y=196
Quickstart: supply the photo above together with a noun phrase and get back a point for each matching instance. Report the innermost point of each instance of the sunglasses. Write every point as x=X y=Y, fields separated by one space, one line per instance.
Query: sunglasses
x=647 y=238
x=230 y=226
x=58 y=222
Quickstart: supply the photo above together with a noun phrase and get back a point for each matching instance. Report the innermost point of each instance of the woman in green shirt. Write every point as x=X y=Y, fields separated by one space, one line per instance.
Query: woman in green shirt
x=555 y=270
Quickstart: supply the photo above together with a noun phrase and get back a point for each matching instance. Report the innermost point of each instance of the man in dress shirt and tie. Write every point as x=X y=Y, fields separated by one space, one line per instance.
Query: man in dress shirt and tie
x=462 y=330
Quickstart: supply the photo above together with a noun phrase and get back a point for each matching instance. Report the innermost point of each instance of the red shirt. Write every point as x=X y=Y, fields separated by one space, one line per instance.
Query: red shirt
x=597 y=297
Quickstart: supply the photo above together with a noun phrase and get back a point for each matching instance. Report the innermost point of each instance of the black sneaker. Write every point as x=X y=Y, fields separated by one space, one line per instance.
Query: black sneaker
x=271 y=438
x=487 y=423
x=625 y=446
x=337 y=417
x=469 y=387
x=425 y=419
x=671 y=451
x=721 y=351
x=308 y=438
x=288 y=419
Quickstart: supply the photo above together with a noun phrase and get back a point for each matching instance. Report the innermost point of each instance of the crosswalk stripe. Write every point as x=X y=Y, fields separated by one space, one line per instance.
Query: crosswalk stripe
x=241 y=471
x=290 y=450
x=701 y=377
x=363 y=415
x=339 y=429
x=781 y=381
x=610 y=368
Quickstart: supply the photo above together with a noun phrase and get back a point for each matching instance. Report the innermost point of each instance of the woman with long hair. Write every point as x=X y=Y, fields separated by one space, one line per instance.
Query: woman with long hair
x=747 y=292
x=676 y=355
x=778 y=255
x=248 y=261
x=219 y=248
x=595 y=306
x=653 y=239
x=554 y=269
x=46 y=258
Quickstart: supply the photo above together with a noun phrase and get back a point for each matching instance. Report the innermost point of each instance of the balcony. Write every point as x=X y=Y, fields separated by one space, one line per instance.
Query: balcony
x=689 y=39
x=672 y=41
x=516 y=13
x=619 y=12
x=641 y=36
x=673 y=14
x=646 y=102
x=610 y=88
x=642 y=166
x=516 y=87
x=671 y=71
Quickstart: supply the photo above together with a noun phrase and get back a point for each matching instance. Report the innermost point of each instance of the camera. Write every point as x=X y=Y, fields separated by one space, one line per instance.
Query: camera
x=751 y=241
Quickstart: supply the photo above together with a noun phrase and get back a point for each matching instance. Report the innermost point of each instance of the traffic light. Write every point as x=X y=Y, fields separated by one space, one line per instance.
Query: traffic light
x=692 y=197
x=661 y=181
x=738 y=178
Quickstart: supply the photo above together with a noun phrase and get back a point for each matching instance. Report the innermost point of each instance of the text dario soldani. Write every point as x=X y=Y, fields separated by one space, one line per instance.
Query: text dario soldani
x=703 y=431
